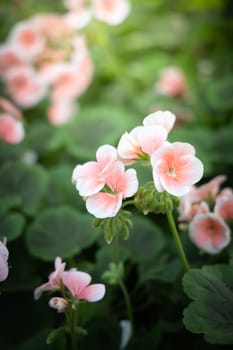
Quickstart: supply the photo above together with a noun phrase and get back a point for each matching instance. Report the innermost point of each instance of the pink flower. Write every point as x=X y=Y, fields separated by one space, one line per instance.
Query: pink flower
x=4 y=253
x=141 y=143
x=209 y=190
x=11 y=127
x=111 y=11
x=120 y=184
x=165 y=119
x=175 y=168
x=9 y=58
x=224 y=207
x=59 y=304
x=79 y=285
x=90 y=177
x=25 y=86
x=171 y=82
x=54 y=281
x=188 y=210
x=209 y=233
x=27 y=39
x=61 y=111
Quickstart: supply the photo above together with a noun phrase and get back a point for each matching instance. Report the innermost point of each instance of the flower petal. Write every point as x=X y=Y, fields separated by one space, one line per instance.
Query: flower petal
x=76 y=281
x=93 y=292
x=104 y=205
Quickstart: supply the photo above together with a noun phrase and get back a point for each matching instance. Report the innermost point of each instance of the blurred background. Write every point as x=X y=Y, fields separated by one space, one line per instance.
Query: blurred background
x=164 y=55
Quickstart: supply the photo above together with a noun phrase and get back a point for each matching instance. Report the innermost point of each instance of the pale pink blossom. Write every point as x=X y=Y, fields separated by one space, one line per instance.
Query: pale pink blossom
x=61 y=111
x=89 y=178
x=78 y=283
x=11 y=126
x=162 y=118
x=54 y=280
x=122 y=184
x=224 y=207
x=9 y=58
x=25 y=86
x=27 y=39
x=175 y=168
x=172 y=82
x=53 y=27
x=209 y=233
x=11 y=130
x=209 y=190
x=112 y=12
x=59 y=304
x=188 y=210
x=4 y=254
x=141 y=143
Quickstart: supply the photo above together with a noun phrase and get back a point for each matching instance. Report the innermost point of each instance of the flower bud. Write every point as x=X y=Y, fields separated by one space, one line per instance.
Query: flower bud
x=59 y=304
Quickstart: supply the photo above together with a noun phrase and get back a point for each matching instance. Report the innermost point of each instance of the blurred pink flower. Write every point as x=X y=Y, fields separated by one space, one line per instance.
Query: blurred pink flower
x=224 y=207
x=209 y=190
x=89 y=178
x=54 y=281
x=9 y=58
x=59 y=304
x=112 y=12
x=209 y=233
x=25 y=86
x=4 y=254
x=78 y=283
x=175 y=168
x=119 y=184
x=172 y=82
x=11 y=126
x=60 y=111
x=27 y=39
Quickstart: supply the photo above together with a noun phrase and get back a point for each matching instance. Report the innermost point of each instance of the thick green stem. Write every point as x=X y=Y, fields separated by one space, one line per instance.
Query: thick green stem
x=177 y=240
x=72 y=328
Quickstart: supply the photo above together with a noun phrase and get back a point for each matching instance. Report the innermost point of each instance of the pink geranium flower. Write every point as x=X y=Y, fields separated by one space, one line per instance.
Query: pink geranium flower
x=90 y=177
x=4 y=254
x=209 y=233
x=175 y=168
x=25 y=86
x=172 y=82
x=111 y=11
x=209 y=190
x=224 y=207
x=61 y=111
x=27 y=39
x=78 y=283
x=141 y=142
x=119 y=184
x=54 y=281
x=11 y=126
x=9 y=58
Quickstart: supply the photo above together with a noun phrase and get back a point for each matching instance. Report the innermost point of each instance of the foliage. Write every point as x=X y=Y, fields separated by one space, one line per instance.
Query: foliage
x=42 y=216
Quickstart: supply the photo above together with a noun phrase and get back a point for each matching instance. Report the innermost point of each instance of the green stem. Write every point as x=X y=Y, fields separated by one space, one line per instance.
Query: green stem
x=177 y=240
x=72 y=329
x=127 y=301
x=115 y=249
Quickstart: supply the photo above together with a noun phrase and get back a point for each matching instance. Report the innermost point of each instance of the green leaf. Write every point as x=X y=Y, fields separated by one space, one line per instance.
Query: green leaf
x=11 y=226
x=211 y=311
x=219 y=93
x=60 y=232
x=27 y=182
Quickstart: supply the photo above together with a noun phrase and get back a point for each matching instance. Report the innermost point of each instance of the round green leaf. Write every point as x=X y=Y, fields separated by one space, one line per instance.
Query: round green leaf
x=60 y=232
x=11 y=226
x=211 y=312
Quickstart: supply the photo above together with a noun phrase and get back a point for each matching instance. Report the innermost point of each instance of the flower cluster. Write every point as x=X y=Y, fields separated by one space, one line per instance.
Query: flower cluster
x=11 y=126
x=47 y=55
x=208 y=211
x=4 y=253
x=105 y=183
x=77 y=287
